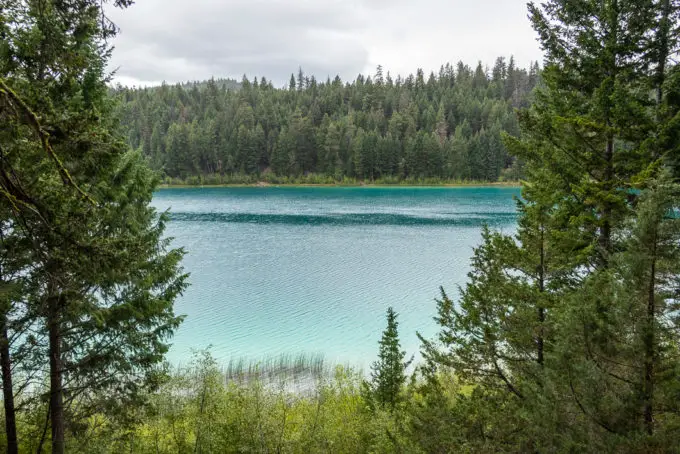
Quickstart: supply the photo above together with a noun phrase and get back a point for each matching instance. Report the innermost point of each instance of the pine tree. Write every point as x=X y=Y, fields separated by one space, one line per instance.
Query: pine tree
x=331 y=159
x=626 y=383
x=592 y=103
x=100 y=278
x=357 y=150
x=567 y=326
x=259 y=157
x=245 y=149
x=151 y=118
x=593 y=135
x=178 y=162
x=388 y=374
x=499 y=335
x=283 y=156
x=300 y=79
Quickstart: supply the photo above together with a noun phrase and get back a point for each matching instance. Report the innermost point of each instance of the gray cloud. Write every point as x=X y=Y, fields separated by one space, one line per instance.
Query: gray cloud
x=176 y=40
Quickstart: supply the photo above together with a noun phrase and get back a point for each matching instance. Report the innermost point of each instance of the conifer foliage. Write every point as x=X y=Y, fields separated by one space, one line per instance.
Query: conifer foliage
x=88 y=278
x=446 y=125
x=564 y=339
x=570 y=325
x=388 y=373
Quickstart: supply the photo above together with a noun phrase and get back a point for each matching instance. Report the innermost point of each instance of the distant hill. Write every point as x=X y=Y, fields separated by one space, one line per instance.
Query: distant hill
x=444 y=126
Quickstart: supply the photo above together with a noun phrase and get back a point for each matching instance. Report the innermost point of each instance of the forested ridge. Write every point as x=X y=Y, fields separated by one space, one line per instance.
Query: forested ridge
x=444 y=126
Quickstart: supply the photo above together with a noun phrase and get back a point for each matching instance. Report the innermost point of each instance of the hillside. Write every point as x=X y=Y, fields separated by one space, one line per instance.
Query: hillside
x=444 y=126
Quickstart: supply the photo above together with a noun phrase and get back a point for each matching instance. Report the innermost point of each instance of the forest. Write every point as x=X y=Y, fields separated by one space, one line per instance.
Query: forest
x=564 y=339
x=436 y=127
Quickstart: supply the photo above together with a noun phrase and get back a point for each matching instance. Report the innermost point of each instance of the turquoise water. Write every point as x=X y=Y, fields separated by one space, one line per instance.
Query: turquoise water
x=312 y=270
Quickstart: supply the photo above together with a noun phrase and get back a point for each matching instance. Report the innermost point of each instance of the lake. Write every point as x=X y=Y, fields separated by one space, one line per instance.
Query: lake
x=312 y=269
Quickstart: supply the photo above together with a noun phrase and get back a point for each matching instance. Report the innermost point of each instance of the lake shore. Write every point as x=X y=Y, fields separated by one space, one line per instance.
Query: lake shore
x=262 y=184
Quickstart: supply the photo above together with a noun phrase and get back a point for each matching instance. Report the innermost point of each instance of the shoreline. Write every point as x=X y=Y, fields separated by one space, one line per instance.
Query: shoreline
x=341 y=185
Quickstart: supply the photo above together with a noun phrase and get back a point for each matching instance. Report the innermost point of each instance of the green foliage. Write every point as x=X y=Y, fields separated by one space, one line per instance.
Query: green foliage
x=564 y=339
x=388 y=374
x=447 y=128
x=569 y=328
x=98 y=277
x=199 y=410
x=240 y=179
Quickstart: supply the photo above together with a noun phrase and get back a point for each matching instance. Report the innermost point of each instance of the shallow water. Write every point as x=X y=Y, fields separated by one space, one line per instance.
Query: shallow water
x=312 y=269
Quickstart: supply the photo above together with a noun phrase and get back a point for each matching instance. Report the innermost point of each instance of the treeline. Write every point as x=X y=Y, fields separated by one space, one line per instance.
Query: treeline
x=443 y=126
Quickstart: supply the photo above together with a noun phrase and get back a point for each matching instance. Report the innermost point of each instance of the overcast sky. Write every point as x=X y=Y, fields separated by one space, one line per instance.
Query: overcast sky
x=179 y=40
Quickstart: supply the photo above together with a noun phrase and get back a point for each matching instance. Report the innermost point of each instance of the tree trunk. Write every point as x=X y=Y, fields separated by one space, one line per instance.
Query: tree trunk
x=8 y=389
x=541 y=310
x=611 y=69
x=605 y=241
x=663 y=34
x=650 y=356
x=56 y=389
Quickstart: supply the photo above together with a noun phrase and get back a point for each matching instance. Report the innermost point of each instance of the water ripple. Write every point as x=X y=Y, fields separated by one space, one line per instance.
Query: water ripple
x=280 y=270
x=353 y=219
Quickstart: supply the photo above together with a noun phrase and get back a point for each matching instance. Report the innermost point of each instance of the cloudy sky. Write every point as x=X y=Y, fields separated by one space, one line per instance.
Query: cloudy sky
x=179 y=40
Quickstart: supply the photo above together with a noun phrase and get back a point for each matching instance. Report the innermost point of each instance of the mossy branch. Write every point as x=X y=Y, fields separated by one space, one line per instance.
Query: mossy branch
x=34 y=122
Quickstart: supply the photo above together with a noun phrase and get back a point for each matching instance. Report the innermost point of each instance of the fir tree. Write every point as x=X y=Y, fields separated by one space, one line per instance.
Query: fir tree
x=567 y=326
x=100 y=279
x=388 y=374
x=155 y=117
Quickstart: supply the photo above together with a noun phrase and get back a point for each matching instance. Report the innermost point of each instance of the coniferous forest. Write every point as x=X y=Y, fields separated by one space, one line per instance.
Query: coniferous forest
x=437 y=127
x=565 y=338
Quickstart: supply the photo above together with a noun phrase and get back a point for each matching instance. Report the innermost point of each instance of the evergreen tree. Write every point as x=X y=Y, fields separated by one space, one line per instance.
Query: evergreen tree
x=358 y=148
x=178 y=159
x=283 y=155
x=499 y=335
x=332 y=143
x=591 y=106
x=566 y=328
x=388 y=374
x=155 y=119
x=621 y=332
x=99 y=278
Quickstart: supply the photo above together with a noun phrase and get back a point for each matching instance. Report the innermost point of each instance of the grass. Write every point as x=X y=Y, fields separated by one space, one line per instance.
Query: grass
x=297 y=373
x=277 y=369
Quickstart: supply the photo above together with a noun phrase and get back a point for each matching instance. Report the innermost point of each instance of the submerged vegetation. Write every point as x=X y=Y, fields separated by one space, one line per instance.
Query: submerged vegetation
x=564 y=339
